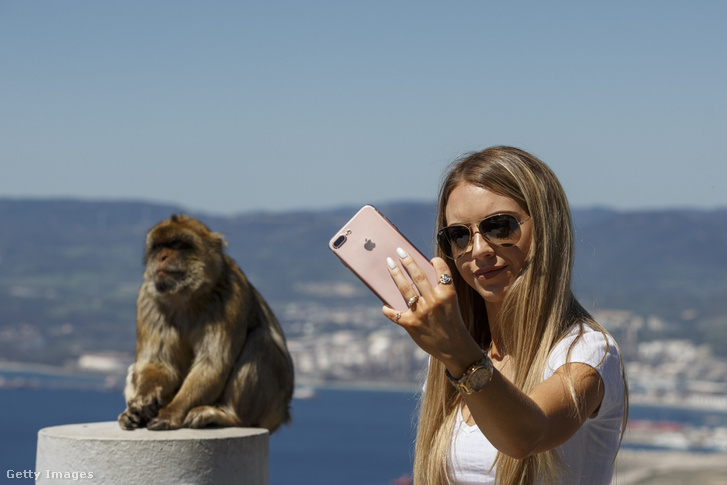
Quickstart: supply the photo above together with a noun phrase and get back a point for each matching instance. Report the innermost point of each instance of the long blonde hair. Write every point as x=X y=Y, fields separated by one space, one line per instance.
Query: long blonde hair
x=539 y=308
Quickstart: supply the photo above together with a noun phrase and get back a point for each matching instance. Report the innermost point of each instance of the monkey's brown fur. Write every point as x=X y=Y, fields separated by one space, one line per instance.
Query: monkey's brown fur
x=209 y=350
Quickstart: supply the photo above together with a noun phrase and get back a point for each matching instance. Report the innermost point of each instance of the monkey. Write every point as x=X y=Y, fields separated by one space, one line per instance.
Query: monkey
x=209 y=350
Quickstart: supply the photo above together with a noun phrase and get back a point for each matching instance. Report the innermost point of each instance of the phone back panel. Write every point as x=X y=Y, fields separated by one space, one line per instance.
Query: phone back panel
x=363 y=245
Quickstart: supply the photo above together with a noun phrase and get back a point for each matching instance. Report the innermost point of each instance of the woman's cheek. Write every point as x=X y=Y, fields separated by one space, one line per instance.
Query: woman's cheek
x=466 y=275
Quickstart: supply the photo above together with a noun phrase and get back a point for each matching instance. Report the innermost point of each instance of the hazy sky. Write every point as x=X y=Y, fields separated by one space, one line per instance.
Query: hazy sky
x=232 y=106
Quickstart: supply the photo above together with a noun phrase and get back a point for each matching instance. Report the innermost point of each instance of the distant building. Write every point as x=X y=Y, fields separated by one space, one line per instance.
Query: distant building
x=107 y=362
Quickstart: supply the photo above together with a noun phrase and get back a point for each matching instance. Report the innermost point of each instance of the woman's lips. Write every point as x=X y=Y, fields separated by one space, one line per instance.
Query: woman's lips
x=489 y=273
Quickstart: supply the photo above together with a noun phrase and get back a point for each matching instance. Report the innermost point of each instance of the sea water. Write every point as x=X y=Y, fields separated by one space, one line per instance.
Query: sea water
x=354 y=437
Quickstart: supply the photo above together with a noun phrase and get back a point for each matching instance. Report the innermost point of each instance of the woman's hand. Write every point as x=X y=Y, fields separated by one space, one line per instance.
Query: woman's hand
x=434 y=321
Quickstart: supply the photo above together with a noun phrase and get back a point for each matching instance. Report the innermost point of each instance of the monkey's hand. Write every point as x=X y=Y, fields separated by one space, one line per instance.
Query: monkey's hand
x=166 y=419
x=139 y=411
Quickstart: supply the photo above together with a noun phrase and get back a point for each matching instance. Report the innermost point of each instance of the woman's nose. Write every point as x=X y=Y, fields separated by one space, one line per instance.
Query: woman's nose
x=481 y=247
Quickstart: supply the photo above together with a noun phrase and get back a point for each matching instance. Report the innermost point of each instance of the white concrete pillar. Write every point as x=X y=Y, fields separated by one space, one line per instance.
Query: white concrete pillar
x=103 y=453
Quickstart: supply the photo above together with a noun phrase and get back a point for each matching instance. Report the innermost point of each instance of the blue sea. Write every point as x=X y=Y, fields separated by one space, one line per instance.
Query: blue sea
x=337 y=436
x=356 y=437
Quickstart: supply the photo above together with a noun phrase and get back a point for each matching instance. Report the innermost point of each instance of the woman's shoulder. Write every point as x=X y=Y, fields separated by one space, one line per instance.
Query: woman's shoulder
x=585 y=344
x=598 y=349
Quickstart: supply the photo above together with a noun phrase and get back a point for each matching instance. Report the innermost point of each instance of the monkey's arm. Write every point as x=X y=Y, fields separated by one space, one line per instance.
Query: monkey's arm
x=148 y=388
x=155 y=376
x=215 y=357
x=150 y=384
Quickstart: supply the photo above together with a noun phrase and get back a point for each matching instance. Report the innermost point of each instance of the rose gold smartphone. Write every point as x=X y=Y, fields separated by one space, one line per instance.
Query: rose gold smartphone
x=363 y=245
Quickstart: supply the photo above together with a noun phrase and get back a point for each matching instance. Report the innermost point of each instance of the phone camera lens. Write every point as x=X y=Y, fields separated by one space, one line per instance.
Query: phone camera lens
x=339 y=242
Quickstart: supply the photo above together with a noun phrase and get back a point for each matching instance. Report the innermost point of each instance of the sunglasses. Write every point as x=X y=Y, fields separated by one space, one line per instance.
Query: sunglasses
x=501 y=230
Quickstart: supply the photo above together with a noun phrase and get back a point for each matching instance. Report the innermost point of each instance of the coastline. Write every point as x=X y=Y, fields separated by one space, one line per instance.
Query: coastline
x=52 y=370
x=38 y=371
x=107 y=379
x=381 y=386
x=646 y=467
x=18 y=375
x=718 y=404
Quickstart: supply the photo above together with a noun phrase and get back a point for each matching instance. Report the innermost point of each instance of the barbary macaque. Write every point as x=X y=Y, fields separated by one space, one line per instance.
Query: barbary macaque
x=209 y=350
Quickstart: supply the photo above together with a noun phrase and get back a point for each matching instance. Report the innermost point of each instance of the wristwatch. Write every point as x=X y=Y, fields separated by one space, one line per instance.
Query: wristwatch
x=475 y=378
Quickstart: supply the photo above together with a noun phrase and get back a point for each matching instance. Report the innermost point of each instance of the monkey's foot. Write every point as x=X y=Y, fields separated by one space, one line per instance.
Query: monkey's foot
x=203 y=416
x=129 y=421
x=161 y=423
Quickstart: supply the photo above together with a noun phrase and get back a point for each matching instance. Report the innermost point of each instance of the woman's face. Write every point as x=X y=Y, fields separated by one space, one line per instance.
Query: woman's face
x=488 y=268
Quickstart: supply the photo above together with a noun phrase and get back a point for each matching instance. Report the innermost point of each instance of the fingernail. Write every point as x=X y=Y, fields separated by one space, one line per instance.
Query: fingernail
x=402 y=254
x=391 y=263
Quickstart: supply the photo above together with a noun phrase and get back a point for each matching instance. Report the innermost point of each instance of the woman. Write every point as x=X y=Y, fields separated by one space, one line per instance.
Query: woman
x=523 y=385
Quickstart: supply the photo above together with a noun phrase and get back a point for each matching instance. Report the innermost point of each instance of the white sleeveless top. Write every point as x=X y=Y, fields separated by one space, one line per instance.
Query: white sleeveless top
x=589 y=454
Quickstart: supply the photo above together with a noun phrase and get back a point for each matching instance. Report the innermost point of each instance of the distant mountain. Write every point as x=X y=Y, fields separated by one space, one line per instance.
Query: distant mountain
x=654 y=262
x=67 y=264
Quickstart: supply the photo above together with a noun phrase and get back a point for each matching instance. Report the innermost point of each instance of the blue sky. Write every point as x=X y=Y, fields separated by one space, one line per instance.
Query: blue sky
x=232 y=106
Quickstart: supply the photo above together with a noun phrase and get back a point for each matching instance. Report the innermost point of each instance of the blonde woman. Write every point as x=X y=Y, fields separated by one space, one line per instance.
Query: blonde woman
x=523 y=385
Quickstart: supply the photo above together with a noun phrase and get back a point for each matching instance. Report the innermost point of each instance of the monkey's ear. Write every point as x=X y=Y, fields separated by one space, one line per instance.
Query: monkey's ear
x=219 y=240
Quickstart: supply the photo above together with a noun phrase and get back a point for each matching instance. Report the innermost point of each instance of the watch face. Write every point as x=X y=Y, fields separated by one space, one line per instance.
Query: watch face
x=480 y=378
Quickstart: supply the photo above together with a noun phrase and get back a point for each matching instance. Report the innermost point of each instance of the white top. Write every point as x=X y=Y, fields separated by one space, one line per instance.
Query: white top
x=589 y=453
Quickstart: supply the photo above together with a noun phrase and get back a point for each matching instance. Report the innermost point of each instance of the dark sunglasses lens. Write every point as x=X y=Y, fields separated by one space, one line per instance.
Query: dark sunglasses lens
x=503 y=230
x=454 y=239
x=443 y=242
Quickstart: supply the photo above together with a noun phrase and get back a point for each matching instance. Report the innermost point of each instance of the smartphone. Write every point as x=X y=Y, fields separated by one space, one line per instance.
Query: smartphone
x=364 y=243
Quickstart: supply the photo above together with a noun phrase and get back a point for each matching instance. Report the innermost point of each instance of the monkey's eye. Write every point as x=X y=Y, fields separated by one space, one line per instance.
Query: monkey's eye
x=178 y=245
x=174 y=244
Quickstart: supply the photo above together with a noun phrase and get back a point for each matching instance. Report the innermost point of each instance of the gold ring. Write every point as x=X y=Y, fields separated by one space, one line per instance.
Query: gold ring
x=397 y=317
x=413 y=300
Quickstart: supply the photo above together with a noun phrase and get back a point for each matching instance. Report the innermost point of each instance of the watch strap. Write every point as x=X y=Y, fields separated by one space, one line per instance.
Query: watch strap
x=464 y=385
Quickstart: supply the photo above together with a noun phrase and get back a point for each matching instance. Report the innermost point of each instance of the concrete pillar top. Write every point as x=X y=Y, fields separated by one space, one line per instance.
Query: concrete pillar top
x=110 y=430
x=105 y=454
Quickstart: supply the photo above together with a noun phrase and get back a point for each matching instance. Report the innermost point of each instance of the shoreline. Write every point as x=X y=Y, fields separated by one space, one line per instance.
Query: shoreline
x=718 y=406
x=666 y=467
x=357 y=385
x=39 y=368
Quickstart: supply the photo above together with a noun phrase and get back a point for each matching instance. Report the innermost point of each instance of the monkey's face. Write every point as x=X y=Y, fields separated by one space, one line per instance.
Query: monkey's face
x=182 y=256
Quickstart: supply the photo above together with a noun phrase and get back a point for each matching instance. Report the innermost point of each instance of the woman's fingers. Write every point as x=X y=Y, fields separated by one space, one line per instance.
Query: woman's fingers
x=413 y=282
x=417 y=283
x=392 y=314
x=417 y=275
x=408 y=291
x=441 y=267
